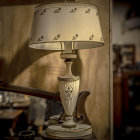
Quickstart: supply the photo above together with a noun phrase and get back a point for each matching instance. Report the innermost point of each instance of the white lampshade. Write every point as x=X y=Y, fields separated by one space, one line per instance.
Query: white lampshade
x=54 y=24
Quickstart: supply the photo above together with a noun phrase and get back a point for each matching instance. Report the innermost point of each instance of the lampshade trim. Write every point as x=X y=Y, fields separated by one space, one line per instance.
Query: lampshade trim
x=66 y=41
x=55 y=39
x=63 y=4
x=58 y=9
x=40 y=45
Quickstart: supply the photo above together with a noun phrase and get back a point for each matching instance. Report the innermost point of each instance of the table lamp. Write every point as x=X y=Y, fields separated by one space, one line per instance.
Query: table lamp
x=67 y=27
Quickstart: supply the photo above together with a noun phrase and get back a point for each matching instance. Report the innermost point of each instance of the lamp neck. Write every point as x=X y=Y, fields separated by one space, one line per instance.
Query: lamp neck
x=68 y=63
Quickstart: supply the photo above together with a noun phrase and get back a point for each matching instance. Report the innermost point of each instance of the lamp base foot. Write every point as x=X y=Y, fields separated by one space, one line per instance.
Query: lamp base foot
x=79 y=131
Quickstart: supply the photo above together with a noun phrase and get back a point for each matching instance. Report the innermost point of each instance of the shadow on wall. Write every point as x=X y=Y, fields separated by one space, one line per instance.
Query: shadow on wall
x=77 y=66
x=2 y=67
x=24 y=57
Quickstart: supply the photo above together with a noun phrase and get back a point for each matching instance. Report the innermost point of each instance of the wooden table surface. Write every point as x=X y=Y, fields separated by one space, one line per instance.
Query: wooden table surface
x=8 y=121
x=10 y=114
x=16 y=138
x=16 y=105
x=47 y=137
x=40 y=138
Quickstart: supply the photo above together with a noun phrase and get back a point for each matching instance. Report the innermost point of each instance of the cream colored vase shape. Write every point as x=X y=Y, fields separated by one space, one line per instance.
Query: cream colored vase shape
x=69 y=93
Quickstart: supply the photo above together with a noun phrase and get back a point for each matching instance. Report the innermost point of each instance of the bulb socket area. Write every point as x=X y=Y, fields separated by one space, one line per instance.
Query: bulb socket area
x=68 y=60
x=68 y=56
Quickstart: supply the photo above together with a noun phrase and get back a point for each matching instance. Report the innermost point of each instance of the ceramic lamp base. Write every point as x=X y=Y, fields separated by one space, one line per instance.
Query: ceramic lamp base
x=79 y=131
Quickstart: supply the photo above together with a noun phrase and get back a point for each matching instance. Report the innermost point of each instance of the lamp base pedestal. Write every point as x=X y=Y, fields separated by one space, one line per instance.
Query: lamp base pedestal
x=82 y=131
x=57 y=131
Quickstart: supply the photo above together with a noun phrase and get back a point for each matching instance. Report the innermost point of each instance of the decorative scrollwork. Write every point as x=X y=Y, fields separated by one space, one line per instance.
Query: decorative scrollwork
x=68 y=92
x=57 y=10
x=91 y=37
x=56 y=37
x=42 y=11
x=73 y=10
x=75 y=37
x=87 y=11
x=41 y=38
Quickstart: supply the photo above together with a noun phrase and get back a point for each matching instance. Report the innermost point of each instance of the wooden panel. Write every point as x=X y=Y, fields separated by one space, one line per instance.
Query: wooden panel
x=39 y=69
x=95 y=76
x=22 y=65
x=10 y=115
x=117 y=105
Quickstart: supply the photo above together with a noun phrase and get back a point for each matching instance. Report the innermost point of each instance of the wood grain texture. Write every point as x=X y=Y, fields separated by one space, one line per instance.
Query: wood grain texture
x=95 y=75
x=22 y=65
x=39 y=69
